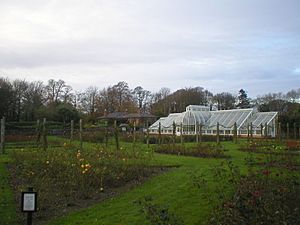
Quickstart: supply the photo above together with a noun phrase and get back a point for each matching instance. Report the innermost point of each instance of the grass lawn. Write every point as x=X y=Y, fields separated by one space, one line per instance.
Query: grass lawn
x=173 y=189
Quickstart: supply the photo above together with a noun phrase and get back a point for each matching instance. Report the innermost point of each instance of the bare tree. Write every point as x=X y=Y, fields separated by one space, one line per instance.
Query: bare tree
x=88 y=99
x=19 y=89
x=5 y=97
x=55 y=89
x=224 y=100
x=34 y=98
x=142 y=98
x=67 y=95
x=293 y=95
x=123 y=94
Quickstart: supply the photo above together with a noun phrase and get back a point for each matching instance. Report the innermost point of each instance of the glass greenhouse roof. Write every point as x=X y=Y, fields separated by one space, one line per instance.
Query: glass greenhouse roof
x=261 y=118
x=225 y=118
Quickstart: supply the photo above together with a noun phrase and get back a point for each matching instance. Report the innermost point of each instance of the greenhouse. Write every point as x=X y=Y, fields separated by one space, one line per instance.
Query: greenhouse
x=198 y=118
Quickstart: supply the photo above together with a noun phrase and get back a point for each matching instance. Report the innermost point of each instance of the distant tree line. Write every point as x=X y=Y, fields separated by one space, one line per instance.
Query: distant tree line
x=21 y=100
x=287 y=105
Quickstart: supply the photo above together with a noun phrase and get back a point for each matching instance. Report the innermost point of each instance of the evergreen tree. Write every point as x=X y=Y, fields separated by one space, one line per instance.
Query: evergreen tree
x=243 y=100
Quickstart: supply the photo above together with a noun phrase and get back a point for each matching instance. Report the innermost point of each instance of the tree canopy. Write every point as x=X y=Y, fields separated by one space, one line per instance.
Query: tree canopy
x=21 y=100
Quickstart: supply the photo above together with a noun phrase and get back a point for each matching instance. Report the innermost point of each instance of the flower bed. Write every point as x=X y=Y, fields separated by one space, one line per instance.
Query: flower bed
x=65 y=177
x=262 y=198
x=20 y=138
x=262 y=146
x=292 y=145
x=199 y=150
x=286 y=160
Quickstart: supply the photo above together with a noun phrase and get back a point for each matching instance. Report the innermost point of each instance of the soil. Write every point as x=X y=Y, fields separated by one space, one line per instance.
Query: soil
x=289 y=166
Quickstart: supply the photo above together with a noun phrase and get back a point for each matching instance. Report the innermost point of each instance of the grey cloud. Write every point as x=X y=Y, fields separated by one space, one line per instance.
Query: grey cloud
x=230 y=43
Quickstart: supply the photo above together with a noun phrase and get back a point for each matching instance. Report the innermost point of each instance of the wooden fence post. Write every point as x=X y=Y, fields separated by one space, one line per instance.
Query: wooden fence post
x=3 y=135
x=279 y=131
x=248 y=131
x=116 y=135
x=147 y=124
x=181 y=133
x=174 y=133
x=218 y=133
x=287 y=130
x=38 y=133
x=266 y=130
x=134 y=133
x=148 y=144
x=197 y=131
x=295 y=131
x=80 y=134
x=72 y=131
x=251 y=131
x=45 y=143
x=106 y=134
x=37 y=125
x=261 y=130
x=235 y=132
x=159 y=133
x=200 y=131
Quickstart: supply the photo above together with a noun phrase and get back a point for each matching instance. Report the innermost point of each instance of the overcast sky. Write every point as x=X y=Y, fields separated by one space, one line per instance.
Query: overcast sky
x=221 y=45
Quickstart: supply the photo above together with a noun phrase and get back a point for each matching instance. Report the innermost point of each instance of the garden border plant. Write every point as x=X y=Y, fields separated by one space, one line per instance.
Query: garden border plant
x=262 y=196
x=92 y=214
x=88 y=175
x=203 y=150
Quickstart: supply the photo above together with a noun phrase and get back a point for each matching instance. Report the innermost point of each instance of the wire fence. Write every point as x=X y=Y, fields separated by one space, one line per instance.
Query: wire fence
x=35 y=134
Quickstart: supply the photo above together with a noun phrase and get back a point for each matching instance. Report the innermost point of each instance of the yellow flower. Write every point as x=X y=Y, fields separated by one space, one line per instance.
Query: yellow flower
x=82 y=166
x=101 y=189
x=65 y=144
x=47 y=162
x=83 y=171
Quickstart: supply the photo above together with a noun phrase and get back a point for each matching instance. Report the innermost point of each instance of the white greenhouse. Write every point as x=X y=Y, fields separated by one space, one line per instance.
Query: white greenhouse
x=198 y=118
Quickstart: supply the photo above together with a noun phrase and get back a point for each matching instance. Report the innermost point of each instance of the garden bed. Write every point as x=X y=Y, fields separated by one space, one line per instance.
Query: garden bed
x=262 y=198
x=67 y=179
x=200 y=150
x=266 y=147
x=289 y=166
x=293 y=145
